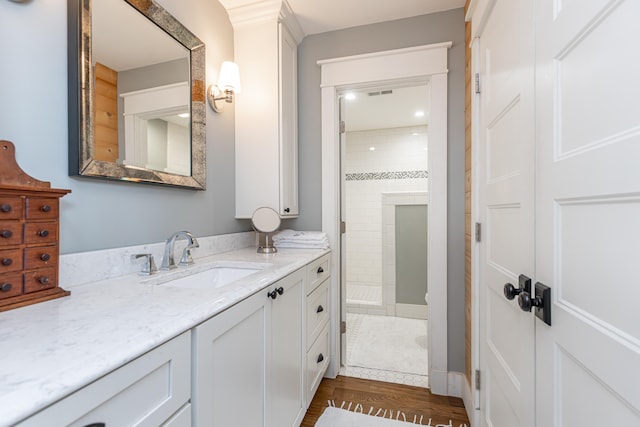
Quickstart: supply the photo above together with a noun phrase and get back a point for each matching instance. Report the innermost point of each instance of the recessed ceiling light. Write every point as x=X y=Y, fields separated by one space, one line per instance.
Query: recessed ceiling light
x=372 y=148
x=183 y=115
x=419 y=113
x=350 y=96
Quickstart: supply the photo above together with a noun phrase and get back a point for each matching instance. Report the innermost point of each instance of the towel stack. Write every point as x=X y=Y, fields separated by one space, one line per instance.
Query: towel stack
x=301 y=239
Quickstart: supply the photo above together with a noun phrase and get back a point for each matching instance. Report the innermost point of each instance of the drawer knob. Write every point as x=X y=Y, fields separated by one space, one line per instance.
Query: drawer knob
x=7 y=261
x=6 y=287
x=280 y=290
x=5 y=207
x=287 y=210
x=6 y=234
x=44 y=280
x=45 y=208
x=320 y=270
x=320 y=358
x=320 y=309
x=43 y=233
x=45 y=257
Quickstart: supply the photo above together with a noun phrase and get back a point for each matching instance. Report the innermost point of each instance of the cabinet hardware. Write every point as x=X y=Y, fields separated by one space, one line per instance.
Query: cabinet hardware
x=274 y=293
x=43 y=233
x=7 y=261
x=287 y=210
x=44 y=280
x=320 y=270
x=45 y=208
x=320 y=309
x=6 y=208
x=6 y=287
x=45 y=257
x=320 y=358
x=6 y=234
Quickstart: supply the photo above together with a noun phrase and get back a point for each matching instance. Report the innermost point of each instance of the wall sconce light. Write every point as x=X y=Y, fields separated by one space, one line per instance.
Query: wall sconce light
x=228 y=84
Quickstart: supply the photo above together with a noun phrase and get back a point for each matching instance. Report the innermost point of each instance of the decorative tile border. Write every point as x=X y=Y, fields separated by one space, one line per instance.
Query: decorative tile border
x=372 y=176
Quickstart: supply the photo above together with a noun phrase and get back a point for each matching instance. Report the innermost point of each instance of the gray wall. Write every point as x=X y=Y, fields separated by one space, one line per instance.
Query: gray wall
x=33 y=114
x=411 y=251
x=421 y=30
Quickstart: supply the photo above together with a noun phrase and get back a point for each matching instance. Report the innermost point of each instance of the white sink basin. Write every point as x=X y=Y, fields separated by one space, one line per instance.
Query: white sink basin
x=211 y=277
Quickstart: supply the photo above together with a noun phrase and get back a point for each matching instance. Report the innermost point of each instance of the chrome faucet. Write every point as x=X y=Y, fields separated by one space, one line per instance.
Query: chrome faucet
x=168 y=260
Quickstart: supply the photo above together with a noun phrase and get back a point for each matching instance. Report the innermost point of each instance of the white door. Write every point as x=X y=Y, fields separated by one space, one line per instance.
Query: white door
x=507 y=213
x=588 y=212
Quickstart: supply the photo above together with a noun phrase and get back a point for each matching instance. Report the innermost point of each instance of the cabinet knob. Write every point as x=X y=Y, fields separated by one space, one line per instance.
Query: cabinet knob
x=43 y=233
x=7 y=261
x=320 y=309
x=273 y=294
x=280 y=290
x=96 y=425
x=6 y=234
x=44 y=280
x=5 y=207
x=6 y=287
x=320 y=270
x=320 y=358
x=287 y=210
x=45 y=208
x=45 y=257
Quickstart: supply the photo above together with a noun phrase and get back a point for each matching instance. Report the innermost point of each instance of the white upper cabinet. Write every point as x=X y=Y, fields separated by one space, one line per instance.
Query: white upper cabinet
x=266 y=37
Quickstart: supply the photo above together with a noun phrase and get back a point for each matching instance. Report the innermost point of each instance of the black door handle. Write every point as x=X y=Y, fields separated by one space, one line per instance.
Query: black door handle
x=510 y=291
x=541 y=301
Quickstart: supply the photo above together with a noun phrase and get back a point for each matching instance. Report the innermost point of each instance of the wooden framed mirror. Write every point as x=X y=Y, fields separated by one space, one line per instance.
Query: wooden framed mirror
x=136 y=94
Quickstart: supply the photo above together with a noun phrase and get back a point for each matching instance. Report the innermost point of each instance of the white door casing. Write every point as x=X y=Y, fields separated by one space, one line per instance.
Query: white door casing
x=507 y=213
x=410 y=65
x=588 y=212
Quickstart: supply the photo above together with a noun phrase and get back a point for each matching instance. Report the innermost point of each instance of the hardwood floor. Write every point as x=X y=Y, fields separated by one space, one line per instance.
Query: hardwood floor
x=408 y=399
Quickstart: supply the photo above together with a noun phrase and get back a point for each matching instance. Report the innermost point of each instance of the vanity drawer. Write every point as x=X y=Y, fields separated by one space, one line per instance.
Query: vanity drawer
x=40 y=280
x=317 y=271
x=42 y=208
x=40 y=232
x=317 y=311
x=40 y=257
x=10 y=208
x=10 y=260
x=317 y=362
x=10 y=285
x=10 y=233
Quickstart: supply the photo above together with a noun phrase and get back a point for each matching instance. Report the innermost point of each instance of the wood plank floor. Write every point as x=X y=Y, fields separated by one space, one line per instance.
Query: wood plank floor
x=408 y=399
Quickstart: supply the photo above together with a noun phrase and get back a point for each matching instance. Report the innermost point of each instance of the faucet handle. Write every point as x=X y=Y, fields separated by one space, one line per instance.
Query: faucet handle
x=186 y=258
x=149 y=266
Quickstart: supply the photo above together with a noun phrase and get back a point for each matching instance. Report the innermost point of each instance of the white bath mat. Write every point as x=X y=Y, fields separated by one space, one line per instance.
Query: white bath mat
x=391 y=344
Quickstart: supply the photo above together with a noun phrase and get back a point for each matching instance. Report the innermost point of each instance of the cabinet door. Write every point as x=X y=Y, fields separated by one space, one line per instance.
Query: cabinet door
x=285 y=399
x=229 y=366
x=288 y=52
x=144 y=392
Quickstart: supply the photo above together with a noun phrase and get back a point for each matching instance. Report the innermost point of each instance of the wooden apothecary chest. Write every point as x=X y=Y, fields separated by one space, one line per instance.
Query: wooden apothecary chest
x=29 y=231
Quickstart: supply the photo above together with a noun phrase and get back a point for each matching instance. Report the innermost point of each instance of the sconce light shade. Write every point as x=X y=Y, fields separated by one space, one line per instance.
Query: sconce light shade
x=228 y=84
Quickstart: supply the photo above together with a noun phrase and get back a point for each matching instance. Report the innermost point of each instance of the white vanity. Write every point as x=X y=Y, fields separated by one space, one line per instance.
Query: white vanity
x=135 y=351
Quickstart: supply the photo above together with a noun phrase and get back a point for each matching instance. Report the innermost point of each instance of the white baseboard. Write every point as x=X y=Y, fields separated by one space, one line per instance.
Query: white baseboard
x=438 y=382
x=412 y=311
x=455 y=381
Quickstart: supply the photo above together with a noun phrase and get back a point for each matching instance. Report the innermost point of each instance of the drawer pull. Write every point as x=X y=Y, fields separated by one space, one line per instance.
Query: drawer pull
x=44 y=280
x=287 y=210
x=320 y=270
x=6 y=208
x=45 y=208
x=6 y=287
x=320 y=309
x=45 y=257
x=6 y=234
x=43 y=233
x=96 y=425
x=320 y=358
x=7 y=261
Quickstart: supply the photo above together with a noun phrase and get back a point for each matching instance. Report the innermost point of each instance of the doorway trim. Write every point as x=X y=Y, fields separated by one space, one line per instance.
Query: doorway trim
x=411 y=65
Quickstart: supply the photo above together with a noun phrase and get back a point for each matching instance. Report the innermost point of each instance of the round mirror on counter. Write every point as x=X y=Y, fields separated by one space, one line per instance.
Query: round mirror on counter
x=265 y=221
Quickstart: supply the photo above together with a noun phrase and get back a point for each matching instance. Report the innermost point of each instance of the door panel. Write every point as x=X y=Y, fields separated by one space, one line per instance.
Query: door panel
x=506 y=203
x=588 y=212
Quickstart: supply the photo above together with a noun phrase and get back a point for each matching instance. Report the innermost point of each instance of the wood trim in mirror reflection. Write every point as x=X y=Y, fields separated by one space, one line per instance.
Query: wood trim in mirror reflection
x=81 y=105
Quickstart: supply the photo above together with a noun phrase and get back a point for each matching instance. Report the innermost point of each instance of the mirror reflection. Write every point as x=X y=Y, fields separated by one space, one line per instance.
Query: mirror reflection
x=136 y=94
x=141 y=91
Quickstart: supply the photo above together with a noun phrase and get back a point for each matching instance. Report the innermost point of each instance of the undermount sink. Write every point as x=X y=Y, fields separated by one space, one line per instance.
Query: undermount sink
x=209 y=277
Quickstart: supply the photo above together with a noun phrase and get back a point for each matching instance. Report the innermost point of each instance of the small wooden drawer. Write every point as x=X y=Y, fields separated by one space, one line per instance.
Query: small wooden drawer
x=317 y=362
x=40 y=280
x=10 y=208
x=41 y=257
x=11 y=285
x=317 y=271
x=10 y=233
x=10 y=260
x=317 y=311
x=41 y=232
x=42 y=208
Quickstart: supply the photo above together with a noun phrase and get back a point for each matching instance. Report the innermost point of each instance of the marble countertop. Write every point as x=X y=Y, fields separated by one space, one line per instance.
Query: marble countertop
x=51 y=349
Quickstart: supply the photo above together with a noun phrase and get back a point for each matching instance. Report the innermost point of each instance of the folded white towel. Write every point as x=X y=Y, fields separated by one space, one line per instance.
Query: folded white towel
x=300 y=236
x=302 y=245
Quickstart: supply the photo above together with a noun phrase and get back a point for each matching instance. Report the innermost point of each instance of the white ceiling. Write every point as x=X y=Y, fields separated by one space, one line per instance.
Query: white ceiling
x=319 y=16
x=386 y=111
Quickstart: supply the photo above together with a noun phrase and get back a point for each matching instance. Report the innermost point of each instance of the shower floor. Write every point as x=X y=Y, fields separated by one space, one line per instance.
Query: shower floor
x=364 y=295
x=398 y=356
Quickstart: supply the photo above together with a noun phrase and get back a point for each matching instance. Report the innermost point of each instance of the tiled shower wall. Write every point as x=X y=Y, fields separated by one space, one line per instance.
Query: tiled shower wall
x=398 y=163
